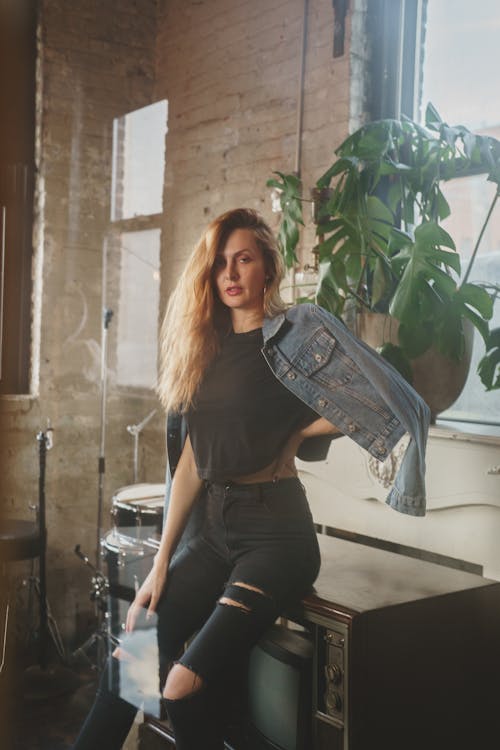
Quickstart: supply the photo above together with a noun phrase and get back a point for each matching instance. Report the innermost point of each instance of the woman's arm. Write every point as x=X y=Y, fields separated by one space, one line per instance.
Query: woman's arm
x=286 y=460
x=186 y=486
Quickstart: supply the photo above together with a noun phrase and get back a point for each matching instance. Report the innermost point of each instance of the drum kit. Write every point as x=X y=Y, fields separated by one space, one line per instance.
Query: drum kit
x=127 y=550
x=129 y=546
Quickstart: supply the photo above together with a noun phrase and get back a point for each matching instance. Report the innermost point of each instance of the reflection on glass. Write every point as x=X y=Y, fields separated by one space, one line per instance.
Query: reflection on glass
x=138 y=304
x=139 y=162
x=134 y=669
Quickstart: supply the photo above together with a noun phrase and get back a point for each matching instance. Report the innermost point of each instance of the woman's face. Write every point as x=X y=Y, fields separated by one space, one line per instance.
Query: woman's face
x=239 y=272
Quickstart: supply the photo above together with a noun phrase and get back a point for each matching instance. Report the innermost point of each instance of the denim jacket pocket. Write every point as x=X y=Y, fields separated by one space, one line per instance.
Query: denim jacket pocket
x=316 y=352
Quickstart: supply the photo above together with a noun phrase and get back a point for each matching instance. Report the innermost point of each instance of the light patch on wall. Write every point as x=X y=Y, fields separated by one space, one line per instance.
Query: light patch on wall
x=138 y=302
x=139 y=162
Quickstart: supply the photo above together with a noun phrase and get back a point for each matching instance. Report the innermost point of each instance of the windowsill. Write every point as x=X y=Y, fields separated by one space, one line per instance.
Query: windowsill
x=468 y=431
x=11 y=402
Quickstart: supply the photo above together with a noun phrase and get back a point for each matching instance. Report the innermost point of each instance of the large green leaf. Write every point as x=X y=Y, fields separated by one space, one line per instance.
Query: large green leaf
x=420 y=264
x=476 y=297
x=489 y=366
x=290 y=189
x=344 y=164
x=332 y=286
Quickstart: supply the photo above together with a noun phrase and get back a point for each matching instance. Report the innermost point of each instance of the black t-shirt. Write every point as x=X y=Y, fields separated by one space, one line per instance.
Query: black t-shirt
x=242 y=414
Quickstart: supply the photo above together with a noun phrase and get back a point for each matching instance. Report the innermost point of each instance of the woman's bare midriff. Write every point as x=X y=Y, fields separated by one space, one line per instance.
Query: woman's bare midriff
x=268 y=474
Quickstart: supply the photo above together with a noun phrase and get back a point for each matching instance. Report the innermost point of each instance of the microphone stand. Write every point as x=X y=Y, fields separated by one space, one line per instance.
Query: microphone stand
x=100 y=638
x=101 y=466
x=43 y=628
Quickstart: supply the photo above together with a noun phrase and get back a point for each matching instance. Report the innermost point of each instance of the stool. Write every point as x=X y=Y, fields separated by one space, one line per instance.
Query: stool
x=19 y=540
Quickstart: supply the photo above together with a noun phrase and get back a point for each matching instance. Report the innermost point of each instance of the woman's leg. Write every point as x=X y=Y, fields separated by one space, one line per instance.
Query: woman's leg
x=196 y=695
x=108 y=722
x=270 y=538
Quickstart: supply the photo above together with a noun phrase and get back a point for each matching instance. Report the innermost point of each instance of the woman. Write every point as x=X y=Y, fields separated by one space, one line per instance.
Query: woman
x=252 y=381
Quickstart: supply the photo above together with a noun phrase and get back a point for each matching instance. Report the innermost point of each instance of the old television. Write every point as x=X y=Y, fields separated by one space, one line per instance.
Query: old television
x=280 y=691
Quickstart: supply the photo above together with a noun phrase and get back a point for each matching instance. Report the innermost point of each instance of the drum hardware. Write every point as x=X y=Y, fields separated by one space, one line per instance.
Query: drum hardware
x=135 y=430
x=102 y=638
x=107 y=314
x=138 y=508
x=41 y=680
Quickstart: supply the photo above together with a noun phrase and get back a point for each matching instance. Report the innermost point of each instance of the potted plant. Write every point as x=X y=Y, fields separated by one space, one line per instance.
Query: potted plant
x=381 y=250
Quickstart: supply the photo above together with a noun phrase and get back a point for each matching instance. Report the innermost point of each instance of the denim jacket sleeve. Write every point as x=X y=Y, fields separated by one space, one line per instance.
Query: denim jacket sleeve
x=347 y=382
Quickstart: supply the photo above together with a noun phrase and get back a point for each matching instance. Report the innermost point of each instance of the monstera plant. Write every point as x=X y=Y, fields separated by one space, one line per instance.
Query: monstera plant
x=380 y=244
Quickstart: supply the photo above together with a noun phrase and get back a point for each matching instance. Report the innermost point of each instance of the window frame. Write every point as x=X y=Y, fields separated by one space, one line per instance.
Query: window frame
x=18 y=60
x=396 y=31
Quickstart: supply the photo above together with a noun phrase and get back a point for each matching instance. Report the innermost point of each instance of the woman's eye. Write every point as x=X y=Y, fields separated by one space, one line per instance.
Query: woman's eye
x=245 y=259
x=219 y=263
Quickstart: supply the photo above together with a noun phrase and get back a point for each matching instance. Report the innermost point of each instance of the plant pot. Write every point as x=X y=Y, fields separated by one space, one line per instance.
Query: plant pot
x=438 y=379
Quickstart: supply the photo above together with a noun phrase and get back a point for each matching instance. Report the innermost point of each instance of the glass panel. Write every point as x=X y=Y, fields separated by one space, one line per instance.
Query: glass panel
x=137 y=308
x=469 y=199
x=461 y=51
x=138 y=162
x=462 y=54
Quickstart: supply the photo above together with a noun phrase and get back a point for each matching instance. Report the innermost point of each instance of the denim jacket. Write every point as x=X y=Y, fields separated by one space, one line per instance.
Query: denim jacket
x=344 y=380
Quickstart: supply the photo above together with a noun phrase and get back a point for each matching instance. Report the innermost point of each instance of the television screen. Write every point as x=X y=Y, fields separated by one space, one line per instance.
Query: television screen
x=279 y=688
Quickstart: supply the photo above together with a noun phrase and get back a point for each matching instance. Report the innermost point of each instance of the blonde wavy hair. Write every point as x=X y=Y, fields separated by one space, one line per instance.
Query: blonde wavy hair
x=195 y=317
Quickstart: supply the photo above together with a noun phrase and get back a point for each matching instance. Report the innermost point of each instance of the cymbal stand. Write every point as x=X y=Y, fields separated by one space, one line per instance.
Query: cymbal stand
x=107 y=314
x=102 y=638
x=135 y=430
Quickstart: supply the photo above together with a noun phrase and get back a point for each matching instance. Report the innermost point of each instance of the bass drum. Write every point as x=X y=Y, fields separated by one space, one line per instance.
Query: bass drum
x=137 y=510
x=128 y=561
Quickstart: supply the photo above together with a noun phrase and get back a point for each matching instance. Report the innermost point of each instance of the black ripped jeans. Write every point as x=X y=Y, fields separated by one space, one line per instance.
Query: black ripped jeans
x=261 y=535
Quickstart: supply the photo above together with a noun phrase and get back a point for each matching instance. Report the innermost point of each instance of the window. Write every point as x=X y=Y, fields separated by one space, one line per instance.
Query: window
x=444 y=52
x=132 y=254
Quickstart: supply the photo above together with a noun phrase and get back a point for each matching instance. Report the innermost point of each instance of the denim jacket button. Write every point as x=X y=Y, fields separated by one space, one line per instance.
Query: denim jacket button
x=291 y=376
x=352 y=427
x=318 y=357
x=322 y=402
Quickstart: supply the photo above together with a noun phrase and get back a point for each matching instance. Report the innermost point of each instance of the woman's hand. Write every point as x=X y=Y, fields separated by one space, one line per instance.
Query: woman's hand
x=148 y=594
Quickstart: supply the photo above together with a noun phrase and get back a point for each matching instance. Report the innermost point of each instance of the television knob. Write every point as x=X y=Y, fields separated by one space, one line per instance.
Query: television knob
x=333 y=673
x=333 y=701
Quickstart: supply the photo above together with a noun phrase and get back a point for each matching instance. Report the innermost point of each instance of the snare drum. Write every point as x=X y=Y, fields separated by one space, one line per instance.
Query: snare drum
x=128 y=562
x=137 y=510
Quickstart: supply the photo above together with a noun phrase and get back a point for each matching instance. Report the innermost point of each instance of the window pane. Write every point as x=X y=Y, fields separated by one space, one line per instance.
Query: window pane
x=469 y=198
x=138 y=304
x=461 y=51
x=139 y=162
x=461 y=57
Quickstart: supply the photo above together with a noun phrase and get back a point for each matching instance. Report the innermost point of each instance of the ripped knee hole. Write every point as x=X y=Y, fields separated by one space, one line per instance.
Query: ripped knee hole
x=243 y=595
x=182 y=682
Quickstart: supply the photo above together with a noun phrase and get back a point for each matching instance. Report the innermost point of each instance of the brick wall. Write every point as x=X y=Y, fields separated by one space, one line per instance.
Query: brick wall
x=229 y=69
x=96 y=63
